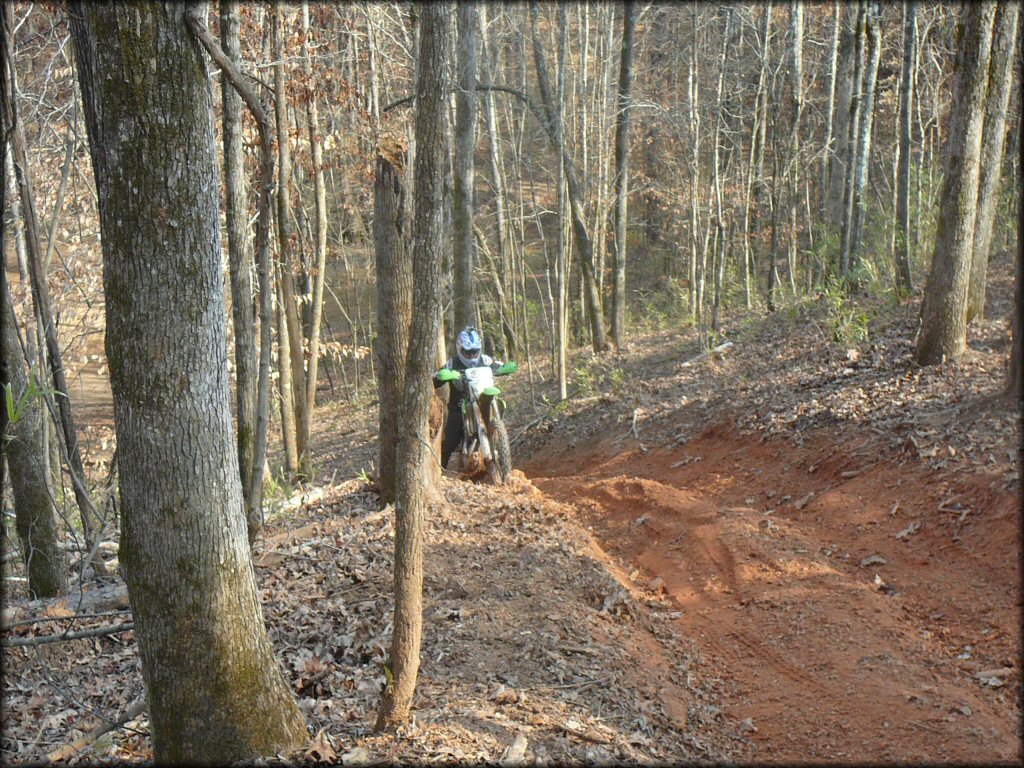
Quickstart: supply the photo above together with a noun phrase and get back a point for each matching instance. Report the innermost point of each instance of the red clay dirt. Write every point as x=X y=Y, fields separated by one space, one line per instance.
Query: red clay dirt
x=849 y=599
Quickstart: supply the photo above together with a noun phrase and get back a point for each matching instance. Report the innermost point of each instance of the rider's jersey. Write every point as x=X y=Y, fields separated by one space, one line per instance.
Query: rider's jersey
x=458 y=390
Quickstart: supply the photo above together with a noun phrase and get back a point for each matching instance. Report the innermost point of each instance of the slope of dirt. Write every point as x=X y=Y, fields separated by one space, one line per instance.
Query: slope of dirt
x=841 y=634
x=838 y=530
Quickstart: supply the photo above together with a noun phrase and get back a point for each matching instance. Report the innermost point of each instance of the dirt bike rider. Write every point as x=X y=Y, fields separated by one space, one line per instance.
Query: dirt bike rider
x=468 y=354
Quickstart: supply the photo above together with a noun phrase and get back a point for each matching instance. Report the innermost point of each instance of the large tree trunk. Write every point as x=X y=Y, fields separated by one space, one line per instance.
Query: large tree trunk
x=623 y=102
x=35 y=519
x=40 y=293
x=1000 y=84
x=214 y=688
x=243 y=310
x=394 y=306
x=904 y=280
x=465 y=128
x=943 y=334
x=412 y=478
x=1015 y=365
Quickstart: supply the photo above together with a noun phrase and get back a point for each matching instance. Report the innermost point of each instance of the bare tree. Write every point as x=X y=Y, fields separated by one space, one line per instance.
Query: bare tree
x=243 y=309
x=943 y=334
x=290 y=342
x=623 y=105
x=904 y=280
x=465 y=130
x=320 y=248
x=1000 y=84
x=214 y=688
x=581 y=232
x=414 y=446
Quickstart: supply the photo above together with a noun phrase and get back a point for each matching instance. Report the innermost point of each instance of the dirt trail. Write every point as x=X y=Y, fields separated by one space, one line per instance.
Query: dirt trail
x=761 y=545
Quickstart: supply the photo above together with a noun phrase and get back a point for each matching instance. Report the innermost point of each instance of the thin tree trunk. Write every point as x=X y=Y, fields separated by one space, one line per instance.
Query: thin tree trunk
x=320 y=252
x=623 y=104
x=465 y=128
x=943 y=334
x=214 y=689
x=846 y=76
x=394 y=307
x=286 y=280
x=904 y=280
x=414 y=451
x=1000 y=84
x=855 y=111
x=40 y=294
x=579 y=220
x=826 y=155
x=243 y=310
x=34 y=513
x=285 y=379
x=863 y=163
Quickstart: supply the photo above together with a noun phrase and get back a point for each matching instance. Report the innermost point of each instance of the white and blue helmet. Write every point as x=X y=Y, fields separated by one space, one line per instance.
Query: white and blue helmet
x=468 y=344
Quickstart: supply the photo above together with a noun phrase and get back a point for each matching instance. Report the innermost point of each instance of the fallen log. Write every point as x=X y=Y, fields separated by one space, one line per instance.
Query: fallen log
x=720 y=348
x=14 y=642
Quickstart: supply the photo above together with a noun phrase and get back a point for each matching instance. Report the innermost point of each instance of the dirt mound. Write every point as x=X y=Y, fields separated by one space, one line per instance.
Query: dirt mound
x=853 y=610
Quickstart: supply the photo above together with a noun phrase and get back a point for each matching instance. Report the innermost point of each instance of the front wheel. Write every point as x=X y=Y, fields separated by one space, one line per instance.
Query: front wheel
x=499 y=468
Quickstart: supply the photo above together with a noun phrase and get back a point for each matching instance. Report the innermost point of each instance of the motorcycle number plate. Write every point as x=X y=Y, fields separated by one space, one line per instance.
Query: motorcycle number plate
x=479 y=379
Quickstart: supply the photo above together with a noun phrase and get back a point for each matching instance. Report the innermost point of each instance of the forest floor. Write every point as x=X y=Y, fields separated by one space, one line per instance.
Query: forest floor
x=796 y=549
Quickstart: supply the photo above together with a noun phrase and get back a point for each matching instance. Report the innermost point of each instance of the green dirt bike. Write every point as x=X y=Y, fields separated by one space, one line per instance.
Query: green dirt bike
x=483 y=432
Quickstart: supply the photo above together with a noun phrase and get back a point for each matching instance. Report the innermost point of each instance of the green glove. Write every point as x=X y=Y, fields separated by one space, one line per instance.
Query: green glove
x=506 y=368
x=447 y=374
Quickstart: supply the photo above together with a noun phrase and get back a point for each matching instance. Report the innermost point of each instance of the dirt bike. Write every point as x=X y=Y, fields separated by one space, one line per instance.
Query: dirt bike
x=483 y=432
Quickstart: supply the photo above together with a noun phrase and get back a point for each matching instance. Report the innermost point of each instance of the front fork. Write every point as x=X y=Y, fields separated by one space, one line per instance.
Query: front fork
x=474 y=432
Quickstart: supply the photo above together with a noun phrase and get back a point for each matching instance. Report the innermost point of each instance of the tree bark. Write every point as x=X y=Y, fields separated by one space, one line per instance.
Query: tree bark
x=465 y=128
x=197 y=24
x=394 y=306
x=1000 y=84
x=904 y=279
x=623 y=104
x=414 y=448
x=215 y=690
x=34 y=513
x=243 y=310
x=943 y=334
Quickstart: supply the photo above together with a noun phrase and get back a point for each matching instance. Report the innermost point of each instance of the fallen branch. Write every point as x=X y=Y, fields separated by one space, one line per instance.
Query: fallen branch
x=720 y=348
x=69 y=617
x=45 y=639
x=78 y=745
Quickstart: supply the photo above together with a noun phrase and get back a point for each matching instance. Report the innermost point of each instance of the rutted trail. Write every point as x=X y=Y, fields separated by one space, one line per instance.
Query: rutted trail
x=838 y=633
